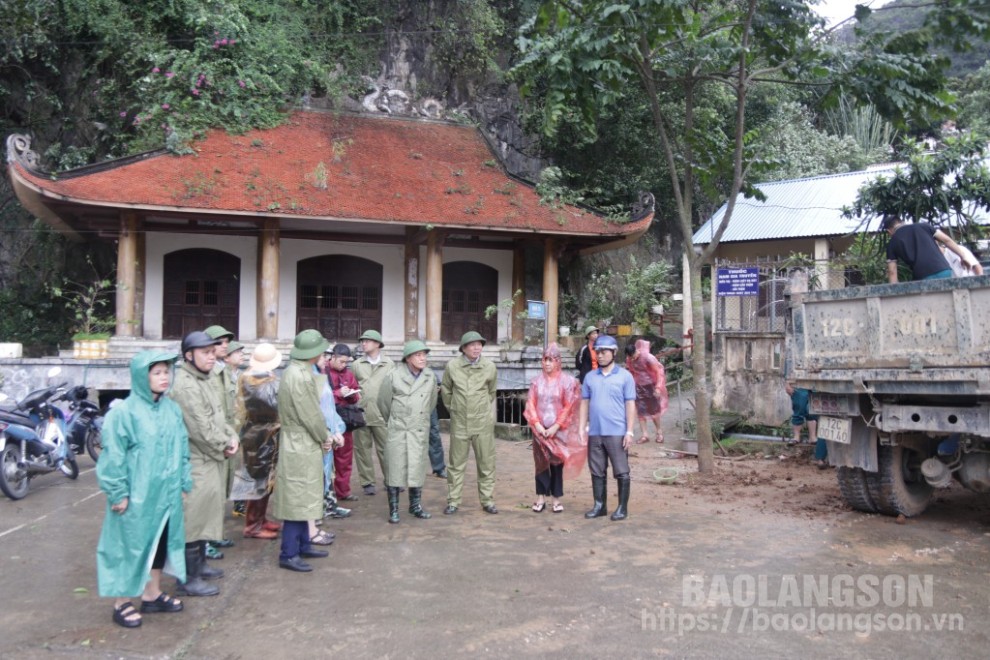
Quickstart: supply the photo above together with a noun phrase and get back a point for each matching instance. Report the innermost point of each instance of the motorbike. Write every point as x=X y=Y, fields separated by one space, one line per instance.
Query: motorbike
x=33 y=441
x=84 y=422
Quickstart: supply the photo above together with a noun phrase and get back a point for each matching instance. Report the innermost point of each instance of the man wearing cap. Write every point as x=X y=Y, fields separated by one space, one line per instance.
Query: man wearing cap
x=607 y=420
x=211 y=442
x=298 y=496
x=371 y=369
x=406 y=400
x=468 y=392
x=226 y=381
x=346 y=391
x=585 y=360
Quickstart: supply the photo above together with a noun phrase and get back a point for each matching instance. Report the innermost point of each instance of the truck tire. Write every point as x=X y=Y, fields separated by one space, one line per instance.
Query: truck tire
x=853 y=486
x=899 y=487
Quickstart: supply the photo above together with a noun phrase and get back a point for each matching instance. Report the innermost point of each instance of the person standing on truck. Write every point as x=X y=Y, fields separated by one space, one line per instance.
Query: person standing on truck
x=916 y=244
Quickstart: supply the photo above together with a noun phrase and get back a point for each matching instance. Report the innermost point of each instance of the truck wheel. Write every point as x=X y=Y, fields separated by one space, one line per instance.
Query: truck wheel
x=852 y=484
x=899 y=488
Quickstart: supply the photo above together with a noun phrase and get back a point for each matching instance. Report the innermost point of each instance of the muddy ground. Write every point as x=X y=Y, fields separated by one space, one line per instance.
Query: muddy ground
x=698 y=570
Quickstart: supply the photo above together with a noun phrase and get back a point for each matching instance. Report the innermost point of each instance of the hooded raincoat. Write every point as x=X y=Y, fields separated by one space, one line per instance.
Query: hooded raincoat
x=145 y=459
x=299 y=477
x=257 y=421
x=554 y=399
x=651 y=381
x=406 y=403
x=209 y=435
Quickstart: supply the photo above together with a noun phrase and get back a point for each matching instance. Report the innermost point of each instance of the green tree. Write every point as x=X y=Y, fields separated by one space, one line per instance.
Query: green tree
x=582 y=57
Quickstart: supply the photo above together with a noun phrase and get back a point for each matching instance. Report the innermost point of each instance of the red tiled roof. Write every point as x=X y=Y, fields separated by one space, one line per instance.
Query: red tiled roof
x=342 y=166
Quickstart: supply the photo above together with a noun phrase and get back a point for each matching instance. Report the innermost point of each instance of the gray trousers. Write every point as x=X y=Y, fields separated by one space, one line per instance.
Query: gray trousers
x=605 y=448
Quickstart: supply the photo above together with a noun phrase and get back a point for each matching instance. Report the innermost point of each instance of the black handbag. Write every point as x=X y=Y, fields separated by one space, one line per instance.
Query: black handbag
x=353 y=416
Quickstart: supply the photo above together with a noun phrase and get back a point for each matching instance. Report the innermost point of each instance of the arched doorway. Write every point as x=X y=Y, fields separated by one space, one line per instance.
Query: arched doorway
x=339 y=295
x=202 y=288
x=468 y=288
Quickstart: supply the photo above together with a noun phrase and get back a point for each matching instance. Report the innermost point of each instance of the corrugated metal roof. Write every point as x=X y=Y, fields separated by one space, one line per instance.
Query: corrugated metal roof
x=798 y=208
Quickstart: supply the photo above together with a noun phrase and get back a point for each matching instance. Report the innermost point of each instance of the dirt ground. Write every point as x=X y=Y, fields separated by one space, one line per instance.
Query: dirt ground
x=526 y=584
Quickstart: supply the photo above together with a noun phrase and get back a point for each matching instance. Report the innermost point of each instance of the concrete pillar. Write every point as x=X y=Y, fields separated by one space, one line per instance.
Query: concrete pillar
x=412 y=286
x=551 y=286
x=127 y=268
x=434 y=285
x=139 y=278
x=269 y=248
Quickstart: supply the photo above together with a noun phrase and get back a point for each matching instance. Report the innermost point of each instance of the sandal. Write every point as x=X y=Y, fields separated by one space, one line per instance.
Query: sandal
x=539 y=506
x=642 y=440
x=123 y=616
x=164 y=603
x=659 y=438
x=321 y=538
x=558 y=507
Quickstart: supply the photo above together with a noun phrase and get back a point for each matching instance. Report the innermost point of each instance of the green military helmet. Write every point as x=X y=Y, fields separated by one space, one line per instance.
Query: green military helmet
x=307 y=345
x=413 y=346
x=219 y=332
x=589 y=330
x=234 y=346
x=471 y=336
x=373 y=335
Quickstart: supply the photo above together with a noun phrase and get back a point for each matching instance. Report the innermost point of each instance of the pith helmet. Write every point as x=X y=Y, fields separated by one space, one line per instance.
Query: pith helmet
x=234 y=346
x=197 y=339
x=219 y=332
x=470 y=337
x=413 y=346
x=373 y=335
x=265 y=358
x=307 y=345
x=589 y=330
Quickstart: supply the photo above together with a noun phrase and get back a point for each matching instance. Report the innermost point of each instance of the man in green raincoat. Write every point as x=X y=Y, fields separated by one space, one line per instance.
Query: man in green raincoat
x=370 y=369
x=298 y=496
x=226 y=372
x=144 y=471
x=468 y=391
x=211 y=442
x=406 y=401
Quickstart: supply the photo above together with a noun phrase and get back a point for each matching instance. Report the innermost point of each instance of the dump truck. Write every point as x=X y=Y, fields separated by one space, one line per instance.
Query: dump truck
x=900 y=380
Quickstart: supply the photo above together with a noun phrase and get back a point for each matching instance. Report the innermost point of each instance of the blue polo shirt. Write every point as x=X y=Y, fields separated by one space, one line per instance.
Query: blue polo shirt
x=607 y=396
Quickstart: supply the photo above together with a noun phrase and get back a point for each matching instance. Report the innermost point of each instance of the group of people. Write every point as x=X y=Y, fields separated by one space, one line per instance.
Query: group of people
x=195 y=432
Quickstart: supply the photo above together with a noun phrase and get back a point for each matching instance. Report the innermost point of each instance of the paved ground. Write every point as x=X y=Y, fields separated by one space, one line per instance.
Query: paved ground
x=681 y=577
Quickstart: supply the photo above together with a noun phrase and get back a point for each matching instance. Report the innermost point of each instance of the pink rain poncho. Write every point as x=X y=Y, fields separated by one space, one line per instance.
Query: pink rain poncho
x=553 y=399
x=651 y=381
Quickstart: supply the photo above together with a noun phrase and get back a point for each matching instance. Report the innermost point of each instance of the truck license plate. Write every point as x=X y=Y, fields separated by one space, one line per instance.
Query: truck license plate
x=835 y=429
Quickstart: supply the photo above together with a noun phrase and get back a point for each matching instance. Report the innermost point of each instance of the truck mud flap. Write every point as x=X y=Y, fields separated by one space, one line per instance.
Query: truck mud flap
x=861 y=452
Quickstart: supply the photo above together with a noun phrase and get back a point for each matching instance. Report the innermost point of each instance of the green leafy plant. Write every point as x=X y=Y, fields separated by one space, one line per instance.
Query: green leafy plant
x=89 y=304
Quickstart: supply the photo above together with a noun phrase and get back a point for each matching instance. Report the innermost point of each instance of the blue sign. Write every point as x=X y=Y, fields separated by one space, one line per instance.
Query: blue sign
x=737 y=281
x=536 y=310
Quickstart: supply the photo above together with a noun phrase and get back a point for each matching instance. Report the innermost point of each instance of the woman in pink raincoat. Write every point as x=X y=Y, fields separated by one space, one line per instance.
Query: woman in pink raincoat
x=551 y=409
x=651 y=387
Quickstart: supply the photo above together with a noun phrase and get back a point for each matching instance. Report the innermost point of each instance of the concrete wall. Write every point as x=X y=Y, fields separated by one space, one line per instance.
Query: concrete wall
x=748 y=376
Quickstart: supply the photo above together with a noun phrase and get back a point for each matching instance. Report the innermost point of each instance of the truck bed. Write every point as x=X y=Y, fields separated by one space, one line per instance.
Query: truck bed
x=929 y=337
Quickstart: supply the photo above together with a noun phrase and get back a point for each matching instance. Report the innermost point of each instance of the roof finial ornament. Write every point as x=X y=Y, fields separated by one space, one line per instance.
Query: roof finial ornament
x=643 y=207
x=19 y=149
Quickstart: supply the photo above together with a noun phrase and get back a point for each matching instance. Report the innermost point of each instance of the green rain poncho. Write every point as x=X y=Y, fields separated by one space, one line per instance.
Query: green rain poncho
x=145 y=459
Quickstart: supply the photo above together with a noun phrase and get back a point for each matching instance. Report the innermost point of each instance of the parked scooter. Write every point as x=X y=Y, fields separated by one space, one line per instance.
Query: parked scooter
x=83 y=423
x=33 y=440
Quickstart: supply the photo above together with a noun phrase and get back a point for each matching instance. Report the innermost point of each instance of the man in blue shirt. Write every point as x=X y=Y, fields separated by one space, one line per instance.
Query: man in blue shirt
x=608 y=416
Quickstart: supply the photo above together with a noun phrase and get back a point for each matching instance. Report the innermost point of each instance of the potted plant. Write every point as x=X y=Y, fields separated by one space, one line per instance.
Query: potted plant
x=89 y=303
x=567 y=307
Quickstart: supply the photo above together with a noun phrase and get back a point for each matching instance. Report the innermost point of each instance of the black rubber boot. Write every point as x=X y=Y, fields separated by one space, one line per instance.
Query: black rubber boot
x=415 y=504
x=598 y=491
x=194 y=584
x=393 y=504
x=206 y=571
x=622 y=511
